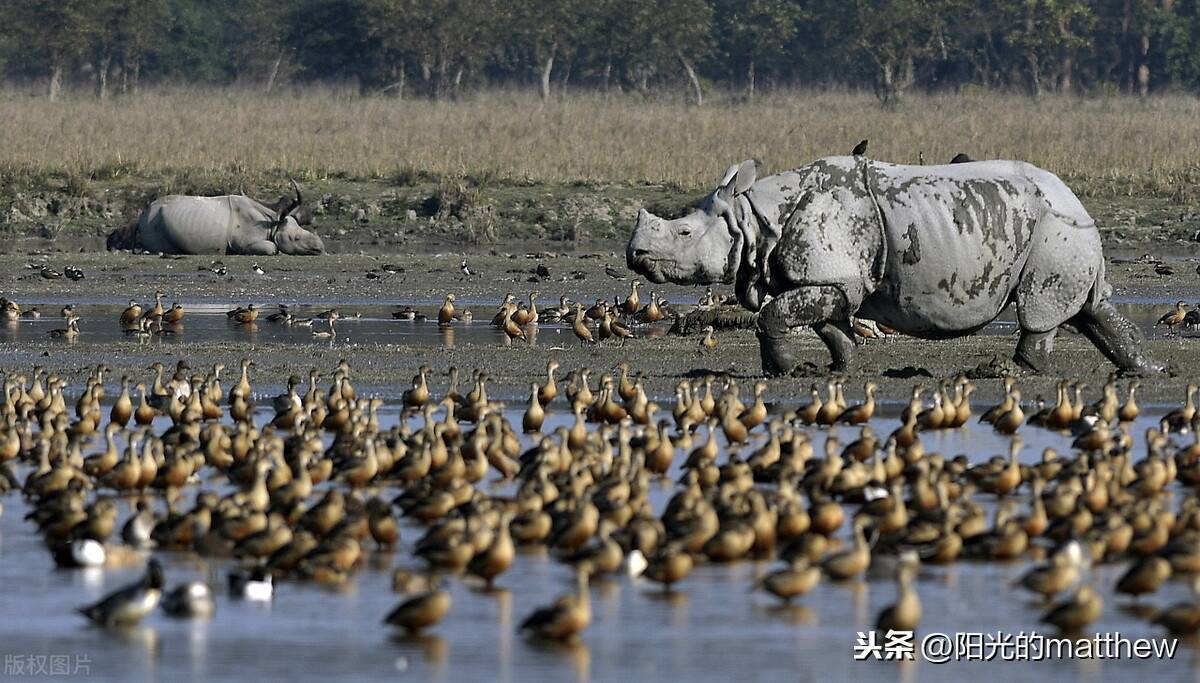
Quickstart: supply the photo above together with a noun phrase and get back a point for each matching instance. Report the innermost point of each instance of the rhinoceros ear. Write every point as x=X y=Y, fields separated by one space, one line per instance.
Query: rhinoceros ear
x=738 y=179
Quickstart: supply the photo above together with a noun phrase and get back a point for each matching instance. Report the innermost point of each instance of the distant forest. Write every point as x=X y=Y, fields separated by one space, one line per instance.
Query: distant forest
x=443 y=48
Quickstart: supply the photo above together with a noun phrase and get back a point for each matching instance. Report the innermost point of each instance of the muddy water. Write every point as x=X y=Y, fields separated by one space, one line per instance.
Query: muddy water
x=366 y=324
x=711 y=628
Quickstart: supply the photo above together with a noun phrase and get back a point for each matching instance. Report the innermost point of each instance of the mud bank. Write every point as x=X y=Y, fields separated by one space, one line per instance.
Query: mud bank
x=422 y=280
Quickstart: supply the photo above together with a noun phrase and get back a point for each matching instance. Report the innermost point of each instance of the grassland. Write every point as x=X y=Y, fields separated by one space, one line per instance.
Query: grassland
x=1115 y=148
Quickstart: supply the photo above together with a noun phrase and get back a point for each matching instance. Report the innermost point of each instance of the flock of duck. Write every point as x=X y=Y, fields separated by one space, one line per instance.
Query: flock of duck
x=514 y=318
x=309 y=493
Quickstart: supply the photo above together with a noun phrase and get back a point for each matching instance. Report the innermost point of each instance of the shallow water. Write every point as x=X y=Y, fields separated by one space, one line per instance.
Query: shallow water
x=710 y=628
x=367 y=324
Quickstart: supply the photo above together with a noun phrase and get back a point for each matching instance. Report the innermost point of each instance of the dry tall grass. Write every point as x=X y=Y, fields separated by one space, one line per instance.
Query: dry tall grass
x=1125 y=145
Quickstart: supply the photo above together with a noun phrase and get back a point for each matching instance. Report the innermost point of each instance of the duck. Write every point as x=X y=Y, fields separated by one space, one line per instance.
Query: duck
x=156 y=311
x=549 y=391
x=1145 y=575
x=669 y=565
x=80 y=552
x=329 y=334
x=128 y=605
x=1179 y=420
x=406 y=313
x=632 y=302
x=791 y=582
x=615 y=328
x=497 y=557
x=535 y=415
x=905 y=613
x=446 y=312
x=808 y=412
x=10 y=311
x=708 y=342
x=174 y=314
x=283 y=314
x=138 y=529
x=191 y=600
x=70 y=332
x=1007 y=479
x=854 y=561
x=863 y=412
x=1129 y=411
x=1174 y=316
x=420 y=611
x=579 y=327
x=243 y=316
x=652 y=312
x=527 y=315
x=756 y=414
x=566 y=617
x=1075 y=613
x=254 y=585
x=1012 y=419
x=1182 y=618
x=381 y=523
x=512 y=330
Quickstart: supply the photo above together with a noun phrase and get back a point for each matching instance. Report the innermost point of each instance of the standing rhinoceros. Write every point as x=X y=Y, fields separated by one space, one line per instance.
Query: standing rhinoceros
x=230 y=224
x=932 y=251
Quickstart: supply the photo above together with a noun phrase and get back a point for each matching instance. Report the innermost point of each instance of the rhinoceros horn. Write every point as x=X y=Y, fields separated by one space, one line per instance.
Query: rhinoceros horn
x=287 y=210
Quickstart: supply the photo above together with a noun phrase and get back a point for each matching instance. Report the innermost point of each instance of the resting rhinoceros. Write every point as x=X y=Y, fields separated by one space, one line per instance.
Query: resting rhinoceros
x=230 y=224
x=932 y=251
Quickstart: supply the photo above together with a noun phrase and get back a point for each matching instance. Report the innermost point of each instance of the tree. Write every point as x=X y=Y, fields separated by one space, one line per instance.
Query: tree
x=1181 y=40
x=1047 y=34
x=55 y=31
x=543 y=31
x=892 y=35
x=653 y=37
x=756 y=33
x=263 y=38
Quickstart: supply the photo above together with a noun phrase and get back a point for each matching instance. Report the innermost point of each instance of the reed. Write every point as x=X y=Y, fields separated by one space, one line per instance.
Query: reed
x=1110 y=145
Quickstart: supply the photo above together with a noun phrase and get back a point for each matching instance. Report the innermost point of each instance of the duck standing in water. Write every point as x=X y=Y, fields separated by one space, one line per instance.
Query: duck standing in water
x=421 y=611
x=566 y=617
x=128 y=605
x=192 y=600
x=255 y=585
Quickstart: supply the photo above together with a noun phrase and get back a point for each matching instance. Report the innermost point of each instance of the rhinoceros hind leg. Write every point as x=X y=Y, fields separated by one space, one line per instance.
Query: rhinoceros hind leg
x=839 y=337
x=823 y=308
x=1033 y=349
x=1116 y=337
x=776 y=354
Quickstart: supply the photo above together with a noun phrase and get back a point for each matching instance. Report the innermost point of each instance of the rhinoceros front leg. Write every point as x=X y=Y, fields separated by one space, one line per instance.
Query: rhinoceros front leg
x=824 y=308
x=260 y=248
x=1116 y=337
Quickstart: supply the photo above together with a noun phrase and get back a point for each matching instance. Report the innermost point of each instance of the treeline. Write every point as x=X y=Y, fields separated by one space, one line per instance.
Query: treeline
x=439 y=48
